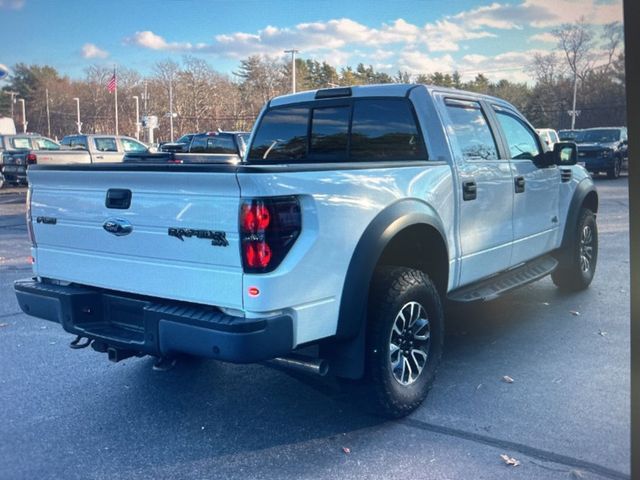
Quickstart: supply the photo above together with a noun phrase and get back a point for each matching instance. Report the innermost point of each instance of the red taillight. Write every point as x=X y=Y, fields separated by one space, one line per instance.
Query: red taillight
x=32 y=158
x=255 y=216
x=268 y=229
x=257 y=254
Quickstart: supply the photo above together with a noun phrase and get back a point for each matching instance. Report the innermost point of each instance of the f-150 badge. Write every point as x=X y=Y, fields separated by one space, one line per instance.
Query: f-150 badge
x=218 y=239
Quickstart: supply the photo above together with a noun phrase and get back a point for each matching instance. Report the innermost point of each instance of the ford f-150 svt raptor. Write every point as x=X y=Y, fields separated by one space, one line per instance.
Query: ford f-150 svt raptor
x=355 y=214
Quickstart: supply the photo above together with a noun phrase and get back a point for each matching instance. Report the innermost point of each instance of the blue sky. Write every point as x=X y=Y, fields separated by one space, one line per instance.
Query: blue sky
x=498 y=37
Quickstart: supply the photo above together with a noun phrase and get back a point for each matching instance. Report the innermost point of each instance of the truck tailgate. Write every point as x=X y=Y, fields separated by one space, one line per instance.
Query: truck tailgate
x=199 y=262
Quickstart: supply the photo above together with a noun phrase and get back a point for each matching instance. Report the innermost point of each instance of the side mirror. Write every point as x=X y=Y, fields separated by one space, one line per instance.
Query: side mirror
x=564 y=154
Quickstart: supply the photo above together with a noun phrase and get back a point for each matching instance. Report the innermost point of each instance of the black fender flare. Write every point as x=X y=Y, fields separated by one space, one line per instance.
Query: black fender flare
x=345 y=351
x=585 y=189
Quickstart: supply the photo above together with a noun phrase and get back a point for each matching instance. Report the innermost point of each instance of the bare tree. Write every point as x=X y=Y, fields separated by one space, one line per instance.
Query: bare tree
x=576 y=42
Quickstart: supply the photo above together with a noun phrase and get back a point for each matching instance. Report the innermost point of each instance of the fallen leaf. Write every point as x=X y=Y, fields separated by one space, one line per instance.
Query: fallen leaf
x=575 y=313
x=478 y=387
x=576 y=474
x=509 y=460
x=4 y=325
x=545 y=303
x=602 y=333
x=507 y=379
x=346 y=450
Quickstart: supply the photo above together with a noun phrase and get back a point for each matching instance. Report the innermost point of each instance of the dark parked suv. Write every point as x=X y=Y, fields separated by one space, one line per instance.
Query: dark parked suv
x=603 y=150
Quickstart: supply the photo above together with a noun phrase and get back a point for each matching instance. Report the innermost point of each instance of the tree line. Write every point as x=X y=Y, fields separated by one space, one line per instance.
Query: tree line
x=205 y=99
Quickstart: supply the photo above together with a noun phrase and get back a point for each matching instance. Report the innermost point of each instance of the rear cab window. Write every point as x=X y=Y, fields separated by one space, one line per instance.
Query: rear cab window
x=21 y=143
x=339 y=130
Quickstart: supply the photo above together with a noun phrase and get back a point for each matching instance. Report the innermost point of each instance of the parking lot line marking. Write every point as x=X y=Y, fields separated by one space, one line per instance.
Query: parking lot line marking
x=518 y=447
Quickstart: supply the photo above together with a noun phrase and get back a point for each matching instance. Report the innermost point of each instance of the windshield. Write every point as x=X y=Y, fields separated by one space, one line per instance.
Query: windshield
x=598 y=136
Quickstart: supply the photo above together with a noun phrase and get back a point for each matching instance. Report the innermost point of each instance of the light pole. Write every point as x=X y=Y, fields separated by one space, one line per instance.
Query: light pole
x=135 y=97
x=78 y=122
x=293 y=52
x=24 y=116
x=171 y=107
x=13 y=100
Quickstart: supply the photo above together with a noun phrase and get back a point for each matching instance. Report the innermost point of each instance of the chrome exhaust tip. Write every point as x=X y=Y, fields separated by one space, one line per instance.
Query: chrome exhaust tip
x=300 y=363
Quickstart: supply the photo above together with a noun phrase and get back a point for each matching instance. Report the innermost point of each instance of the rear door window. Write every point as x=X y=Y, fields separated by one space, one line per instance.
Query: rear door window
x=106 y=144
x=472 y=131
x=46 y=144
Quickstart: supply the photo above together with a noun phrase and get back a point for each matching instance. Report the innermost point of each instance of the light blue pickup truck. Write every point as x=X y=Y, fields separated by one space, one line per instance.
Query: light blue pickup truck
x=355 y=213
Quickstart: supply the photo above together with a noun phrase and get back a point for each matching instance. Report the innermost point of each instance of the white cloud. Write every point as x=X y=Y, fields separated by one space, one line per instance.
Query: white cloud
x=148 y=39
x=567 y=11
x=415 y=62
x=89 y=50
x=12 y=4
x=544 y=37
x=444 y=35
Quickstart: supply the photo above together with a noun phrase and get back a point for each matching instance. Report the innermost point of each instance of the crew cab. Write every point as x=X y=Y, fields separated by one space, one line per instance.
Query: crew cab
x=603 y=150
x=94 y=148
x=356 y=212
x=18 y=152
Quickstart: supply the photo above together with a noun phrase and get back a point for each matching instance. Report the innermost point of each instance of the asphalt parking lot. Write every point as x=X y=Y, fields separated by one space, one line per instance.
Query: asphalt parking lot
x=72 y=414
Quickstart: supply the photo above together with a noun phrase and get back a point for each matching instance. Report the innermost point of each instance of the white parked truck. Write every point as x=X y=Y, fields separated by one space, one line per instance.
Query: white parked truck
x=94 y=148
x=355 y=214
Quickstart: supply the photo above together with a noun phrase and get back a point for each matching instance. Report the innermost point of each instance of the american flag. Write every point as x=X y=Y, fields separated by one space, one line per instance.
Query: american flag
x=112 y=84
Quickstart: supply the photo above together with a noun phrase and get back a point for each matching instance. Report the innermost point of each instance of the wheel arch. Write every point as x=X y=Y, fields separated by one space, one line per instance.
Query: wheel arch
x=392 y=238
x=585 y=196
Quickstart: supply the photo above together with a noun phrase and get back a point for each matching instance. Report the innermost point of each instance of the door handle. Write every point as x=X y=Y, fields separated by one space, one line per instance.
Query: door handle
x=99 y=157
x=519 y=181
x=469 y=190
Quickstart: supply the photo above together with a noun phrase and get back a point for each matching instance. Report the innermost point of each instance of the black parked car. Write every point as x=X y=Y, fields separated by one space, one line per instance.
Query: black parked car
x=603 y=150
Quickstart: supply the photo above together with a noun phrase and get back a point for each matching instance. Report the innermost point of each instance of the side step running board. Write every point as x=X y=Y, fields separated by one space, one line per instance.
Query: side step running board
x=495 y=286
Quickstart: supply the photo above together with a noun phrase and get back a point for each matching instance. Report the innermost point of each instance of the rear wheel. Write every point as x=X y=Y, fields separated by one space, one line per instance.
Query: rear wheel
x=404 y=341
x=577 y=269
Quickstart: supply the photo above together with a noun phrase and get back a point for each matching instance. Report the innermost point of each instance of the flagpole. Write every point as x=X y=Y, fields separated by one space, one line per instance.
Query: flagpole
x=116 y=96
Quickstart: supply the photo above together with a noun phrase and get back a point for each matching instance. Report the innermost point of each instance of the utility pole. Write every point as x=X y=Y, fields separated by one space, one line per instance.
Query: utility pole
x=116 y=95
x=78 y=122
x=575 y=94
x=46 y=93
x=135 y=97
x=24 y=116
x=293 y=52
x=13 y=100
x=171 y=106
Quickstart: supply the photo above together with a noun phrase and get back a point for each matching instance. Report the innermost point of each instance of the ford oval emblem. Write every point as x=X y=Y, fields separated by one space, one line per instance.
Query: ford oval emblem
x=118 y=227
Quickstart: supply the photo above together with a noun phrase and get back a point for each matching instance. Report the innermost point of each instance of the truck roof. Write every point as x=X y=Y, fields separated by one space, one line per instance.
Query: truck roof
x=383 y=90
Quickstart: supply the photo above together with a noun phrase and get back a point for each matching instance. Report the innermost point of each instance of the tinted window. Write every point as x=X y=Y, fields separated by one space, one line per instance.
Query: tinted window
x=282 y=135
x=198 y=144
x=221 y=144
x=132 y=146
x=385 y=130
x=521 y=140
x=329 y=131
x=472 y=131
x=106 y=144
x=598 y=136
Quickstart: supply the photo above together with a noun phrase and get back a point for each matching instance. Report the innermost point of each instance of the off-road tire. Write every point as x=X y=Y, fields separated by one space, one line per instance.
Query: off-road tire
x=569 y=275
x=391 y=289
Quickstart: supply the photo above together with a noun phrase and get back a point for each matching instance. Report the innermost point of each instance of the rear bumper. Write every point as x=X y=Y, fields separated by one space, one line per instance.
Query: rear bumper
x=14 y=173
x=155 y=326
